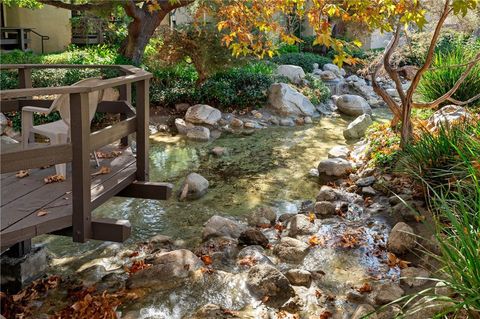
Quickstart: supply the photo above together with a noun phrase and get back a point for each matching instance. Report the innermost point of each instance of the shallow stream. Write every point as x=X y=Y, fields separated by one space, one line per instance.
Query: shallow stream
x=267 y=168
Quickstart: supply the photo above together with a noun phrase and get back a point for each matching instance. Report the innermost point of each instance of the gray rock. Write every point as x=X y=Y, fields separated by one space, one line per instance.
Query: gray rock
x=313 y=172
x=308 y=120
x=448 y=116
x=327 y=76
x=253 y=236
x=286 y=101
x=182 y=107
x=237 y=123
x=393 y=92
x=168 y=270
x=182 y=126
x=387 y=292
x=427 y=308
x=267 y=283
x=412 y=276
x=250 y=124
x=335 y=167
x=285 y=217
x=364 y=310
x=218 y=151
x=291 y=249
x=194 y=186
x=365 y=181
x=218 y=226
x=339 y=152
x=299 y=277
x=287 y=122
x=3 y=123
x=368 y=191
x=199 y=134
x=274 y=120
x=326 y=193
x=262 y=216
x=441 y=289
x=358 y=127
x=293 y=72
x=324 y=209
x=353 y=105
x=203 y=114
x=330 y=67
x=212 y=311
x=401 y=239
x=300 y=225
x=222 y=251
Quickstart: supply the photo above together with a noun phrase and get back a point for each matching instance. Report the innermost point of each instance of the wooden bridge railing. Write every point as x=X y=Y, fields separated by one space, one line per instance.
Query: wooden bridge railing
x=83 y=142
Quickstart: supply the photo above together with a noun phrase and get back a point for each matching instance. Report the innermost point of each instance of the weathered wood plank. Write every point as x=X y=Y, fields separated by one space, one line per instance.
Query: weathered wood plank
x=148 y=190
x=115 y=107
x=142 y=135
x=24 y=78
x=15 y=160
x=112 y=133
x=109 y=229
x=80 y=135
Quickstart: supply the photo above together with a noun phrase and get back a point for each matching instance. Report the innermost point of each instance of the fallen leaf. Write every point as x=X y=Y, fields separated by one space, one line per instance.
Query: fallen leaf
x=54 y=179
x=318 y=293
x=366 y=287
x=103 y=170
x=248 y=261
x=207 y=260
x=419 y=218
x=311 y=217
x=265 y=299
x=393 y=261
x=279 y=227
x=137 y=266
x=42 y=213
x=326 y=314
x=22 y=173
x=314 y=241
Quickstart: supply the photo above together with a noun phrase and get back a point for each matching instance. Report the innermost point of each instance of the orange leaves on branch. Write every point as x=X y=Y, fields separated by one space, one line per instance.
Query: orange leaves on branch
x=394 y=261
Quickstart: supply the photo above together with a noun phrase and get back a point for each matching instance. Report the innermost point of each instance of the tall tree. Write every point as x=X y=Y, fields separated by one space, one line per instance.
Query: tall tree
x=249 y=25
x=146 y=17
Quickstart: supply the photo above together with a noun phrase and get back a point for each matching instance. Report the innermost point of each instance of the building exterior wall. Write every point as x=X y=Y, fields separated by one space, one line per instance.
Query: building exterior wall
x=50 y=21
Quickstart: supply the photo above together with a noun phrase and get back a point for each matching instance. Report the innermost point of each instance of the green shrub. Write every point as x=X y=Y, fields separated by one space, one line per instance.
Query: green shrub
x=304 y=60
x=384 y=145
x=288 y=48
x=448 y=166
x=439 y=81
x=316 y=91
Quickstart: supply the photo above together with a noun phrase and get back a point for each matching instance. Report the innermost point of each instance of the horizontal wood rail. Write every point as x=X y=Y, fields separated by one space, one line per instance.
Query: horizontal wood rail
x=129 y=180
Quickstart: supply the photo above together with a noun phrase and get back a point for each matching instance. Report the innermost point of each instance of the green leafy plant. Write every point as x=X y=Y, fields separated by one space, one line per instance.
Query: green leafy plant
x=316 y=91
x=304 y=60
x=445 y=74
x=384 y=145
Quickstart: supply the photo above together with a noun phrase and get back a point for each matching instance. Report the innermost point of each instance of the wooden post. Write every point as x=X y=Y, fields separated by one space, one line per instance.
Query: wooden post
x=81 y=180
x=143 y=115
x=20 y=249
x=24 y=78
x=125 y=95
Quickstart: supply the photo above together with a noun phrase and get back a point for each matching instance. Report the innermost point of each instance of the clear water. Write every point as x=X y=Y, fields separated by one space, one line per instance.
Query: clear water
x=268 y=168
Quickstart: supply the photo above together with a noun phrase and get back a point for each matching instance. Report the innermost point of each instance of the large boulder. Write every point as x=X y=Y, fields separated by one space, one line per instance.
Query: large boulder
x=447 y=116
x=183 y=127
x=267 y=283
x=203 y=114
x=401 y=239
x=218 y=226
x=286 y=101
x=262 y=216
x=334 y=69
x=358 y=127
x=168 y=270
x=253 y=236
x=291 y=249
x=293 y=72
x=194 y=186
x=198 y=133
x=353 y=105
x=335 y=167
x=414 y=277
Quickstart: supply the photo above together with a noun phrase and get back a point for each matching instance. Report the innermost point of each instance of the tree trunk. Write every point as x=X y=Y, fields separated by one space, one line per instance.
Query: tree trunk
x=407 y=128
x=140 y=30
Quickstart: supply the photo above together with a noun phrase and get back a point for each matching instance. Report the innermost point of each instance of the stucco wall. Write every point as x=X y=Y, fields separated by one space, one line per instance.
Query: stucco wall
x=49 y=21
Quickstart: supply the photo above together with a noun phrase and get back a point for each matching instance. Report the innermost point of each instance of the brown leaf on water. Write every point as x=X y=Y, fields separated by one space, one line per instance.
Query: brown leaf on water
x=279 y=227
x=54 y=179
x=366 y=287
x=248 y=261
x=326 y=314
x=41 y=213
x=311 y=217
x=103 y=170
x=207 y=260
x=23 y=173
x=137 y=266
x=318 y=293
x=316 y=241
x=393 y=261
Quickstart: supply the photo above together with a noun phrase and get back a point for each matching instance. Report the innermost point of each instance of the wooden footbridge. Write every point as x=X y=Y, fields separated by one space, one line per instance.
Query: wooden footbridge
x=30 y=207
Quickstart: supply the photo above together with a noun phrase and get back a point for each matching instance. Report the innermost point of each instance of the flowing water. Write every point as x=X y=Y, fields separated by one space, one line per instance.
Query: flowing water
x=267 y=168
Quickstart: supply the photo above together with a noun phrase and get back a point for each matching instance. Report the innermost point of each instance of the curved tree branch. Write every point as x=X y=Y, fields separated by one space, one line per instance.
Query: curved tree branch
x=388 y=67
x=79 y=7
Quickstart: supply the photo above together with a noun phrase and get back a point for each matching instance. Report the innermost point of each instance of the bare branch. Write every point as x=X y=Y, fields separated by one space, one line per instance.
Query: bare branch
x=388 y=68
x=461 y=103
x=431 y=50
